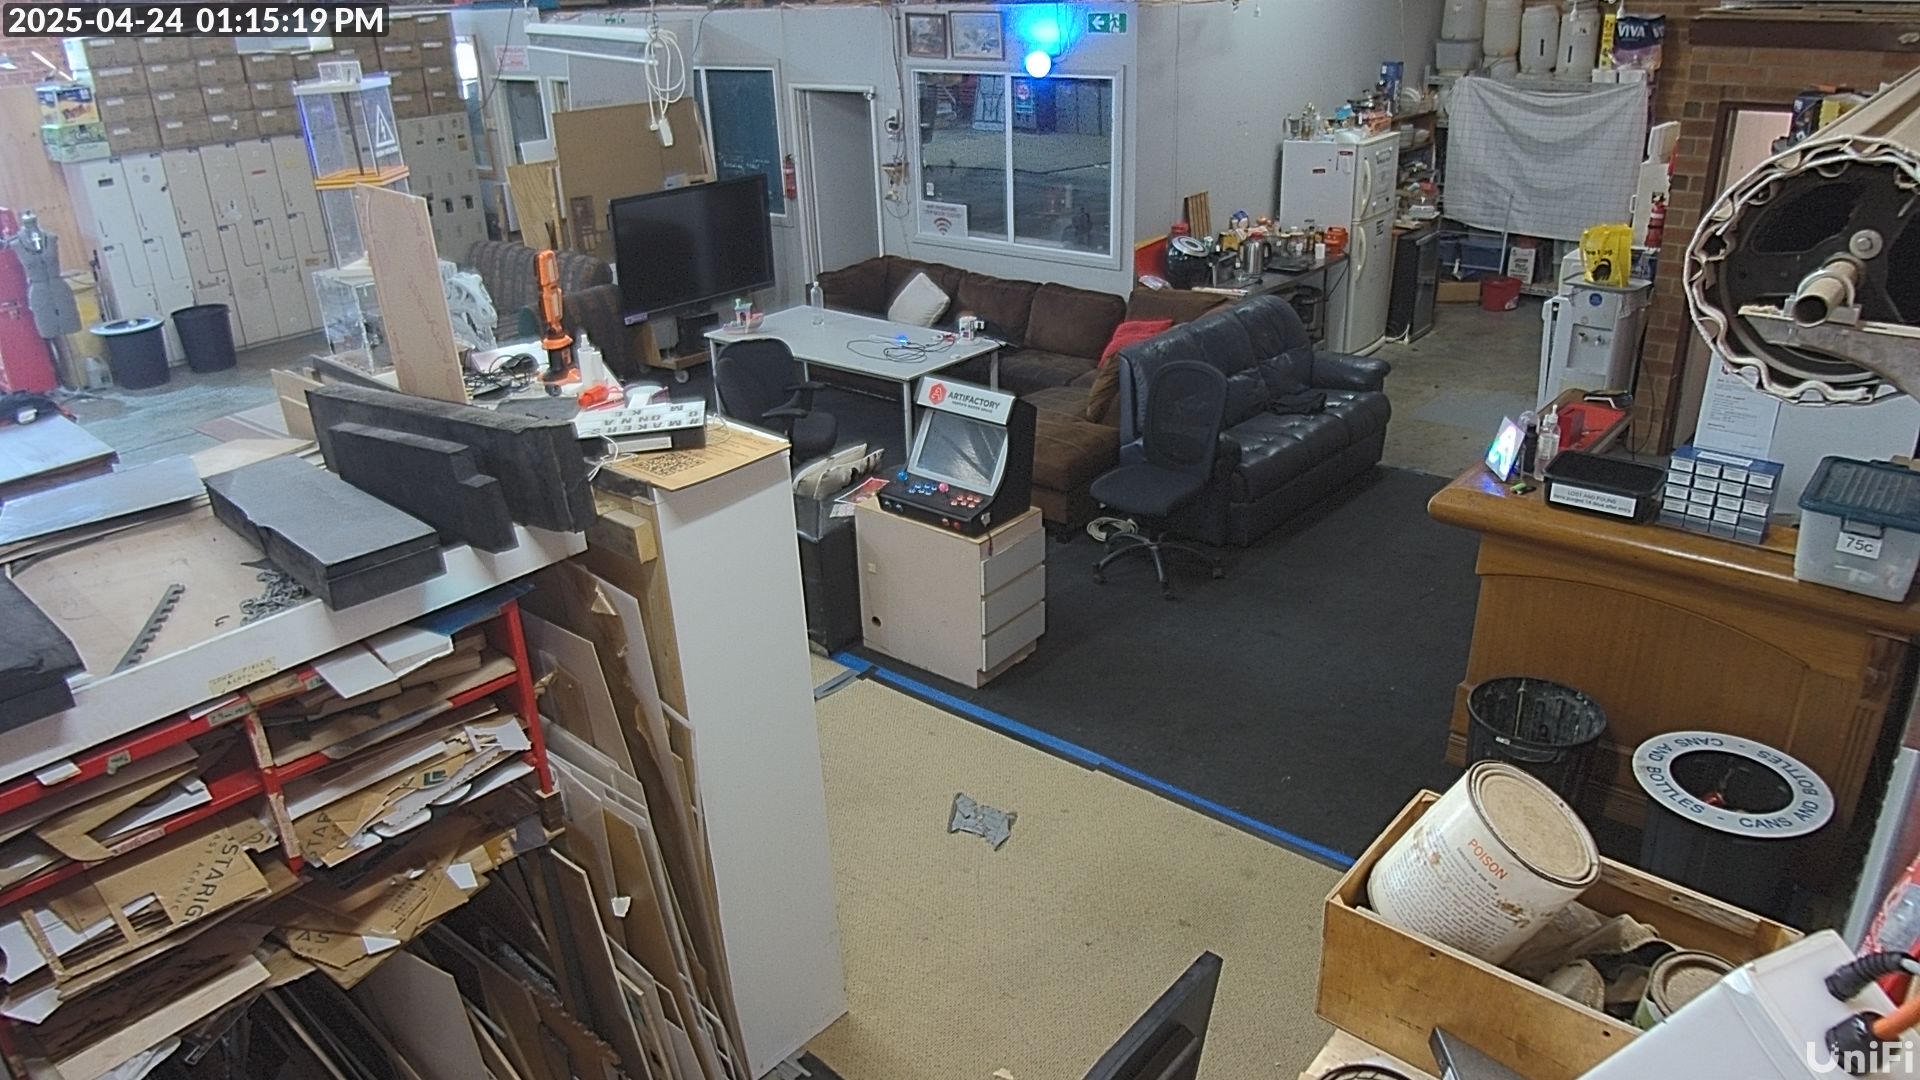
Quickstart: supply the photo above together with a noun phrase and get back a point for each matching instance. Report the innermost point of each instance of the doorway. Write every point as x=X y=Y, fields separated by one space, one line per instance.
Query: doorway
x=838 y=173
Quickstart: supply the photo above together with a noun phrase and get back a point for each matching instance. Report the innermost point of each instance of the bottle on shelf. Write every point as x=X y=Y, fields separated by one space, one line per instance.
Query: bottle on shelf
x=1549 y=447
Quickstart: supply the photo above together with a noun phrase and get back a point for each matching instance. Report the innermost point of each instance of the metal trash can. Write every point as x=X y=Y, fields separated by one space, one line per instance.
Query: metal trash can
x=206 y=336
x=136 y=352
x=1551 y=731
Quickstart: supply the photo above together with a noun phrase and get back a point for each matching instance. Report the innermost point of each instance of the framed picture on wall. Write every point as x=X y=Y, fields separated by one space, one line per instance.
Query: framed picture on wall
x=927 y=36
x=976 y=35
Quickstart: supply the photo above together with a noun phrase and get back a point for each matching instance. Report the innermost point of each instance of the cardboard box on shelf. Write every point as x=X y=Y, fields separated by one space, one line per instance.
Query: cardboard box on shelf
x=1457 y=292
x=177 y=104
x=274 y=94
x=120 y=110
x=130 y=81
x=409 y=106
x=306 y=65
x=399 y=56
x=226 y=99
x=441 y=77
x=273 y=122
x=112 y=53
x=175 y=75
x=266 y=67
x=134 y=136
x=75 y=142
x=232 y=127
x=400 y=28
x=184 y=132
x=211 y=46
x=437 y=26
x=164 y=50
x=435 y=52
x=220 y=70
x=408 y=81
x=443 y=101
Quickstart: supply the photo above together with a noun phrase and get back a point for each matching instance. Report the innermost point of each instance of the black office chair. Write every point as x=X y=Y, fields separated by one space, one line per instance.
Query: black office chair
x=760 y=382
x=1186 y=405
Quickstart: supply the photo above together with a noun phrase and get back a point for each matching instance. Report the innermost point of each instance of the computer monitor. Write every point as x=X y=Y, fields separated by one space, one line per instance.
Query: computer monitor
x=1165 y=1043
x=959 y=450
x=691 y=244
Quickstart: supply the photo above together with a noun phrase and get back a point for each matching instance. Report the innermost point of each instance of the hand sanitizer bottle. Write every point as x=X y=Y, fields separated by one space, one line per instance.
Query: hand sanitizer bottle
x=1549 y=440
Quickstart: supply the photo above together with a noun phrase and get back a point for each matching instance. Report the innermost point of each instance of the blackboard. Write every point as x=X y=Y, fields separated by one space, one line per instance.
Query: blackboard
x=746 y=131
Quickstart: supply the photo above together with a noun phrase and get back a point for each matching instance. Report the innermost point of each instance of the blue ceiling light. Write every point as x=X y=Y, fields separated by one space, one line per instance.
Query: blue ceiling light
x=1043 y=28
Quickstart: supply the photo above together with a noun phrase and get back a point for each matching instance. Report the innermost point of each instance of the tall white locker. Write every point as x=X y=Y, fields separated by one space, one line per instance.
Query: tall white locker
x=260 y=172
x=160 y=239
x=226 y=189
x=200 y=235
x=246 y=275
x=302 y=204
x=104 y=210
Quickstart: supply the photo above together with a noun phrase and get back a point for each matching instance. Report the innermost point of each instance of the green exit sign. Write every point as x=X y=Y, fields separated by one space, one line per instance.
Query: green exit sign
x=1106 y=22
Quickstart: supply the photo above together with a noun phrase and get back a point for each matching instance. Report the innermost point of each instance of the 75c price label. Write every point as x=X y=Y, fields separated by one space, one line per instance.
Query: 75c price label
x=41 y=19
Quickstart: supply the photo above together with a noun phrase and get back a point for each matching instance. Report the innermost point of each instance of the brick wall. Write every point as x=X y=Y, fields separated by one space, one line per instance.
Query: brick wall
x=1693 y=83
x=30 y=72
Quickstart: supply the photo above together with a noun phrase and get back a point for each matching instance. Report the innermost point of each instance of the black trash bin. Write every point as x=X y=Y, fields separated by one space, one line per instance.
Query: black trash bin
x=206 y=336
x=1728 y=816
x=1551 y=731
x=136 y=352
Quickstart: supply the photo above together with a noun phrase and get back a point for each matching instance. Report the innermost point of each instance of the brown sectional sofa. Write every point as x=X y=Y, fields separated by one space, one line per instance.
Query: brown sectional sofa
x=1055 y=335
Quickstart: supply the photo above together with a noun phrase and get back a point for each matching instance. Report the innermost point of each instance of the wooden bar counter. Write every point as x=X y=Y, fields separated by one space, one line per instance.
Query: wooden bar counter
x=1673 y=631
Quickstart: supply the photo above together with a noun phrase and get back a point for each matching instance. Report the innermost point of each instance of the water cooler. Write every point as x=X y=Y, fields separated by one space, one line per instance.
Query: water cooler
x=1590 y=336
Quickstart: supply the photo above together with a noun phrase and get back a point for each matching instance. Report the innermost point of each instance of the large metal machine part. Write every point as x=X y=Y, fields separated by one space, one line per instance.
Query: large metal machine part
x=1805 y=275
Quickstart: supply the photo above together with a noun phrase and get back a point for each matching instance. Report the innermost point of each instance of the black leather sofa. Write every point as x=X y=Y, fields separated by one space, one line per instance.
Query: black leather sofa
x=1300 y=423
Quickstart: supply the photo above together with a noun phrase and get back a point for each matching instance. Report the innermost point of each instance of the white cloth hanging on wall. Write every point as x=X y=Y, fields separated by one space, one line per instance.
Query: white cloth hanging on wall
x=1543 y=162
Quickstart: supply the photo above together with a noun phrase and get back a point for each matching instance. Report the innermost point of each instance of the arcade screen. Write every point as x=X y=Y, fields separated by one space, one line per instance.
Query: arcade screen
x=965 y=453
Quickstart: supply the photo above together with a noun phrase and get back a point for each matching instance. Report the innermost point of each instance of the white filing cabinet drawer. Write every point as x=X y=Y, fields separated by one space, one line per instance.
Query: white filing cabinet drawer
x=963 y=607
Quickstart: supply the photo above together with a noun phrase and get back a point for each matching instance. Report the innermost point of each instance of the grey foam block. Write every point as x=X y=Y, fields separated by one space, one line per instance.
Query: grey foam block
x=537 y=461
x=340 y=543
x=435 y=480
x=35 y=660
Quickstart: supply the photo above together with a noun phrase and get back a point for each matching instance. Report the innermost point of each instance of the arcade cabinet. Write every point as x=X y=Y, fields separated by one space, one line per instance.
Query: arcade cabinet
x=971 y=463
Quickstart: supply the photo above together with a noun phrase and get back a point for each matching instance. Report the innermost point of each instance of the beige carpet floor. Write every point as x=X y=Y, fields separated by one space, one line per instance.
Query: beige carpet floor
x=962 y=960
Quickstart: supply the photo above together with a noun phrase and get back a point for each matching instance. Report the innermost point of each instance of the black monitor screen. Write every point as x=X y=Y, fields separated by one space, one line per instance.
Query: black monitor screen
x=965 y=453
x=691 y=244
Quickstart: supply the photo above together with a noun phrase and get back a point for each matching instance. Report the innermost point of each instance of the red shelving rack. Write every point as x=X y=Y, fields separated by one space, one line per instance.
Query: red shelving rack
x=246 y=770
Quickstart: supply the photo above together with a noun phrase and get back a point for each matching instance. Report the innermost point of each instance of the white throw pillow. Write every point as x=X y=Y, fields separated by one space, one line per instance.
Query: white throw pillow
x=920 y=303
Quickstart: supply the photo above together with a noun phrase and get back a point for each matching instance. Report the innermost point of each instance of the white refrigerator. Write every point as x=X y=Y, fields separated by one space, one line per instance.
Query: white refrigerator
x=1353 y=185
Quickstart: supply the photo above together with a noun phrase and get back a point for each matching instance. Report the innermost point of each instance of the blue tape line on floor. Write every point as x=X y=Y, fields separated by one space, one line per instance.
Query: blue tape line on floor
x=1080 y=755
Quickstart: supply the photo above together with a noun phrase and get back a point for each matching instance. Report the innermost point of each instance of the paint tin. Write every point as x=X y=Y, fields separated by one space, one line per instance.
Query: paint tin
x=1494 y=860
x=1676 y=979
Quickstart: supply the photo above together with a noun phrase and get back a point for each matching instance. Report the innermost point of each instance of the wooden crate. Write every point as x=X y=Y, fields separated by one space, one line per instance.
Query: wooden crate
x=1392 y=988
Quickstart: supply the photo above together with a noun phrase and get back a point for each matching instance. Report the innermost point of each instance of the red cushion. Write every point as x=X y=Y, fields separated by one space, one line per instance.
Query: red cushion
x=1128 y=333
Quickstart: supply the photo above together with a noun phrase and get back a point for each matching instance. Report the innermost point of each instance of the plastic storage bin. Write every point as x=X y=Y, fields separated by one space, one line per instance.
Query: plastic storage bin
x=1860 y=528
x=1606 y=486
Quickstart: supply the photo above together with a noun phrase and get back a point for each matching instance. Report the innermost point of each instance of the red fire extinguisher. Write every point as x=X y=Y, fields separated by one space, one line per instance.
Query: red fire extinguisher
x=789 y=177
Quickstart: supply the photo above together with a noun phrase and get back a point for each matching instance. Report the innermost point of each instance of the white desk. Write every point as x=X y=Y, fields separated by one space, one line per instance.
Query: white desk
x=856 y=343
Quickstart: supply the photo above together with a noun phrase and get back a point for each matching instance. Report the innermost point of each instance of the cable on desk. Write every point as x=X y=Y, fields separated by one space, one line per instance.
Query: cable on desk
x=897 y=351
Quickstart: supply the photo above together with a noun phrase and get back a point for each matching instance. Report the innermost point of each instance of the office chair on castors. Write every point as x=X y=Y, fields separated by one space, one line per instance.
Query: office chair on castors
x=1186 y=405
x=760 y=382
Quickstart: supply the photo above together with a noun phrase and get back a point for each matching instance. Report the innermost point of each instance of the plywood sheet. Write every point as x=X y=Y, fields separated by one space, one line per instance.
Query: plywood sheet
x=728 y=448
x=608 y=154
x=48 y=446
x=406 y=279
x=536 y=203
x=30 y=181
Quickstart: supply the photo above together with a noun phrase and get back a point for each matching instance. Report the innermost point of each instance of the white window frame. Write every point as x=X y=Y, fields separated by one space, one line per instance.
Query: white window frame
x=1012 y=245
x=542 y=149
x=785 y=216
